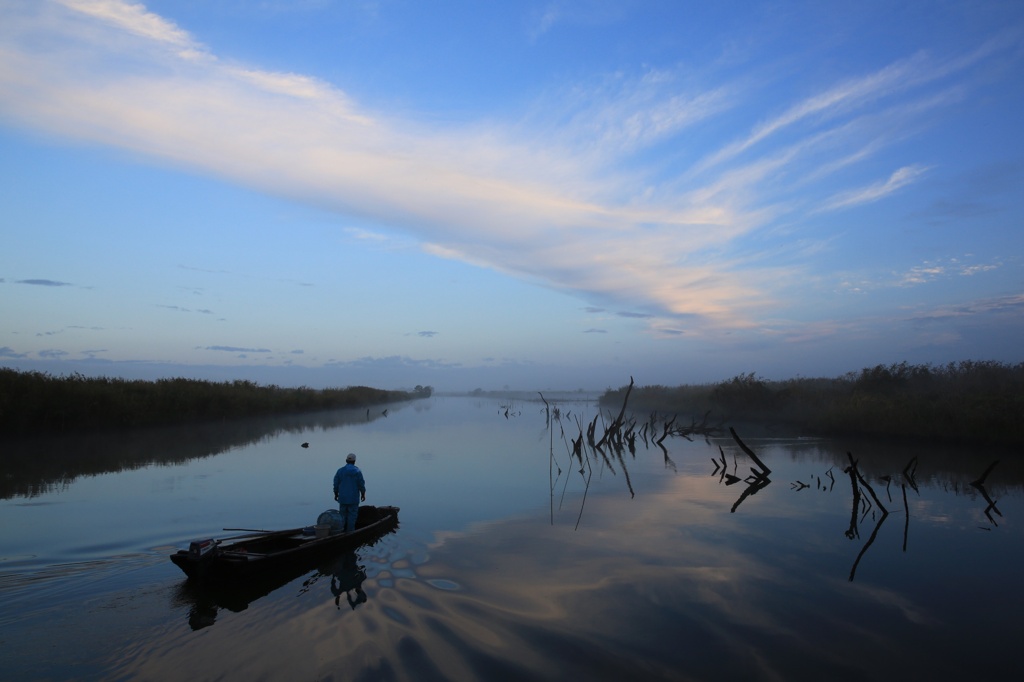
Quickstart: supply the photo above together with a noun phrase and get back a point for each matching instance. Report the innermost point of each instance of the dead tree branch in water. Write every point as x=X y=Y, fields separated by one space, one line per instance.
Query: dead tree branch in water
x=754 y=485
x=871 y=491
x=906 y=515
x=621 y=434
x=667 y=430
x=750 y=453
x=625 y=471
x=981 y=481
x=669 y=464
x=855 y=478
x=853 y=531
x=864 y=549
x=725 y=477
x=577 y=448
x=979 y=485
x=909 y=472
x=758 y=479
x=586 y=488
x=615 y=428
x=591 y=429
x=715 y=462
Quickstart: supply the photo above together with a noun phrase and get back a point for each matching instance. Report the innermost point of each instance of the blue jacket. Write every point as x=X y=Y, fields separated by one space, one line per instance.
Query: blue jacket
x=348 y=484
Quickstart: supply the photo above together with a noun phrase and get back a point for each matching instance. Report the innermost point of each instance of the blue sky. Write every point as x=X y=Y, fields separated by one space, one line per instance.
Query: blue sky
x=536 y=195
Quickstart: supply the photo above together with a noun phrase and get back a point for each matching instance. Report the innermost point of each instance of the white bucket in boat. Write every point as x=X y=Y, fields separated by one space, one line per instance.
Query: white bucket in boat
x=322 y=530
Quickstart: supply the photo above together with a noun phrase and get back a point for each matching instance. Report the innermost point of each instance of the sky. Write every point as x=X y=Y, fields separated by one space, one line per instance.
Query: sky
x=531 y=195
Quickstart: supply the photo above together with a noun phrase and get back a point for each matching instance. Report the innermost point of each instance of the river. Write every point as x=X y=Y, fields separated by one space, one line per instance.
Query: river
x=513 y=559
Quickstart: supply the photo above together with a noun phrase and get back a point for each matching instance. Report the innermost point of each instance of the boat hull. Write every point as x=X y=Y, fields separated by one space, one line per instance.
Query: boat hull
x=259 y=554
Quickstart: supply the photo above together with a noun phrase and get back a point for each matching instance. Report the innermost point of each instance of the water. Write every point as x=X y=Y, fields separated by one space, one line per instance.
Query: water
x=509 y=563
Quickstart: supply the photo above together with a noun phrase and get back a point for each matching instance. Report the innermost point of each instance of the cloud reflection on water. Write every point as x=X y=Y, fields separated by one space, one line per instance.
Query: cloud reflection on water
x=673 y=587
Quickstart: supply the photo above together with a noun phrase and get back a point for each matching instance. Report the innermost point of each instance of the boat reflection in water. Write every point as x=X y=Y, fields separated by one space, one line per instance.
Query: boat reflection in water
x=343 y=568
x=347 y=579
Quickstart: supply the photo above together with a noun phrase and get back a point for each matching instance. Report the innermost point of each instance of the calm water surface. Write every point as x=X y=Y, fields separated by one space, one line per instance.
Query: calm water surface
x=513 y=560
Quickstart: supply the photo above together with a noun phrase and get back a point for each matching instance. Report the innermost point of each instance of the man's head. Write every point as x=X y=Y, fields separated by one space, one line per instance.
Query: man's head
x=351 y=459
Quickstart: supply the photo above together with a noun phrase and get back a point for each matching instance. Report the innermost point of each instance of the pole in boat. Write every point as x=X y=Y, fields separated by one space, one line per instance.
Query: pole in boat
x=250 y=530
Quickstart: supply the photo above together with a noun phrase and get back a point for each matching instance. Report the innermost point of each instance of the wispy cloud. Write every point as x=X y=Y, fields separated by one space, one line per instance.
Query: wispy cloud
x=558 y=201
x=195 y=269
x=44 y=282
x=393 y=362
x=178 y=308
x=853 y=93
x=929 y=271
x=922 y=273
x=578 y=12
x=1012 y=304
x=134 y=19
x=918 y=274
x=544 y=21
x=897 y=181
x=234 y=349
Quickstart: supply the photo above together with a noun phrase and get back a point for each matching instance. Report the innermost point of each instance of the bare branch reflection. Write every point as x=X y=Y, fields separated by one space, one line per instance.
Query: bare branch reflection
x=758 y=479
x=618 y=438
x=979 y=485
x=607 y=442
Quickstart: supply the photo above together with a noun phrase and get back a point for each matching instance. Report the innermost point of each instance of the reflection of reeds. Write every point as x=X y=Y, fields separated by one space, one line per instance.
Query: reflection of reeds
x=36 y=465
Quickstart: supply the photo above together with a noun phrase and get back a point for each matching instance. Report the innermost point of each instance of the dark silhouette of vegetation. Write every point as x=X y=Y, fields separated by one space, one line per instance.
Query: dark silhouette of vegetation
x=968 y=401
x=35 y=464
x=35 y=402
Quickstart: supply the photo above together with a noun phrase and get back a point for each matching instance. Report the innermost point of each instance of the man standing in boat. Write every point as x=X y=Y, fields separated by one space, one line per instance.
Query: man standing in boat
x=349 y=490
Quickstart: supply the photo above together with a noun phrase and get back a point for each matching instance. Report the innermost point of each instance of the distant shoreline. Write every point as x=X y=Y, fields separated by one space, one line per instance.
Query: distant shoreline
x=967 y=402
x=35 y=402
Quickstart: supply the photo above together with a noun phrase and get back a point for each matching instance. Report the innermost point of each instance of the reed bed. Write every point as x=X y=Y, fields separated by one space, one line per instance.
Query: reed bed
x=36 y=402
x=968 y=401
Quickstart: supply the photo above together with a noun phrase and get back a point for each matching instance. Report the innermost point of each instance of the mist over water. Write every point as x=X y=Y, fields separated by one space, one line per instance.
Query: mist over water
x=513 y=559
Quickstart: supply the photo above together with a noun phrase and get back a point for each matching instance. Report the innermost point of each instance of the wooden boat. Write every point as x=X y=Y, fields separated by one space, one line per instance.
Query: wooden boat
x=241 y=557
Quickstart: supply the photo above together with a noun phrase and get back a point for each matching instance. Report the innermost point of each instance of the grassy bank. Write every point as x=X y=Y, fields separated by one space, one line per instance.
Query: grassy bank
x=965 y=402
x=34 y=402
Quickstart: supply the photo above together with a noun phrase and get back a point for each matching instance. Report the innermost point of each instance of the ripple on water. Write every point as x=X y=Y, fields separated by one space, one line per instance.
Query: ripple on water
x=396 y=615
x=443 y=584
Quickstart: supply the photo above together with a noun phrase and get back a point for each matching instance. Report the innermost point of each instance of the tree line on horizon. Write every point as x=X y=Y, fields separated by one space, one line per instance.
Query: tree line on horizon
x=37 y=402
x=966 y=401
